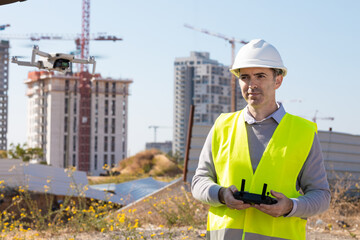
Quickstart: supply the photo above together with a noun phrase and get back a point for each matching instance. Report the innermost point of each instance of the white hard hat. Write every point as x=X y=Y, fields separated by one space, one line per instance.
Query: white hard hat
x=257 y=53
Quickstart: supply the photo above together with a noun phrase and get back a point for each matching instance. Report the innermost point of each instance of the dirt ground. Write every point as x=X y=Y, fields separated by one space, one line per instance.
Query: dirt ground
x=185 y=233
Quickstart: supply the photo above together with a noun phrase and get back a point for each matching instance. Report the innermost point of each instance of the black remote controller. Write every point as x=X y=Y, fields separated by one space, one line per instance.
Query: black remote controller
x=253 y=198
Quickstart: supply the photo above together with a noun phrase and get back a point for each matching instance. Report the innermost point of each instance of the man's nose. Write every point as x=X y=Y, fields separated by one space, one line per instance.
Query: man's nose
x=252 y=84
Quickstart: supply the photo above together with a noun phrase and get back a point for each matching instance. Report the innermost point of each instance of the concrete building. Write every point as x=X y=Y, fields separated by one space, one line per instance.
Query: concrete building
x=4 y=86
x=55 y=121
x=204 y=83
x=165 y=147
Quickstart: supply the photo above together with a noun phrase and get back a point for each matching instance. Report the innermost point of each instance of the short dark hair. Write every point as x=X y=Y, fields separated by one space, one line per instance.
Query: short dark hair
x=277 y=71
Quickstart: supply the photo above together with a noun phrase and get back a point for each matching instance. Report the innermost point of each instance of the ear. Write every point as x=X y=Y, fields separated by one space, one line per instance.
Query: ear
x=278 y=81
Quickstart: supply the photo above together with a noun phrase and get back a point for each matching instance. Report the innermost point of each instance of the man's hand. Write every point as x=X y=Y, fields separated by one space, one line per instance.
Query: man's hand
x=281 y=208
x=226 y=196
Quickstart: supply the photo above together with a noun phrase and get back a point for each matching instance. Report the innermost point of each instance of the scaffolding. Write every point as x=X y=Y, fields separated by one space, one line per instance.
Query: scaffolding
x=4 y=85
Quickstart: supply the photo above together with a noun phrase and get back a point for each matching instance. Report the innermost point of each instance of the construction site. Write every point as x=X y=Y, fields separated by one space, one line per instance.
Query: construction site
x=101 y=134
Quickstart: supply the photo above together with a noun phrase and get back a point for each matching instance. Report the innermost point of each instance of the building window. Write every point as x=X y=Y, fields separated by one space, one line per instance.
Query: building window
x=65 y=124
x=113 y=108
x=95 y=162
x=97 y=88
x=66 y=105
x=67 y=87
x=74 y=160
x=74 y=143
x=112 y=160
x=106 y=107
x=75 y=105
x=105 y=144
x=113 y=144
x=96 y=106
x=113 y=89
x=75 y=87
x=106 y=123
x=96 y=125
x=106 y=89
x=105 y=160
x=64 y=160
x=95 y=143
x=113 y=125
x=65 y=143
x=75 y=125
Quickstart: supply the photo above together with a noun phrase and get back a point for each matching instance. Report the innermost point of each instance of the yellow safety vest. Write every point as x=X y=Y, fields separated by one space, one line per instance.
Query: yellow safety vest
x=279 y=168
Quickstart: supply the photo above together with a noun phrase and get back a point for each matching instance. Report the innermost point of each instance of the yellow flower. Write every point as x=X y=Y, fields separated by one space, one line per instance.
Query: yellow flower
x=46 y=188
x=203 y=234
x=153 y=235
x=190 y=228
x=161 y=233
x=161 y=226
x=103 y=229
x=136 y=225
x=149 y=212
x=186 y=237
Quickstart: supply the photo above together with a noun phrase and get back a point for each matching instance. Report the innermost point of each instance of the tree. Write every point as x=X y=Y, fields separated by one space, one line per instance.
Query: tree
x=24 y=153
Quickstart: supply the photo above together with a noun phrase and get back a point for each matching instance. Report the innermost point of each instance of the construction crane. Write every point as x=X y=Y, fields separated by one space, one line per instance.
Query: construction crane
x=36 y=37
x=232 y=42
x=155 y=129
x=322 y=118
x=82 y=46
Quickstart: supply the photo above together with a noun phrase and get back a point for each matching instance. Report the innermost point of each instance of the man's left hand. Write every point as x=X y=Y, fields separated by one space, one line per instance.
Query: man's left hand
x=281 y=208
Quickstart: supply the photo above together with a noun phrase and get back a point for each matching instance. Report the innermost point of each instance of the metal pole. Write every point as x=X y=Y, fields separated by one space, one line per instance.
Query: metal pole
x=233 y=80
x=188 y=140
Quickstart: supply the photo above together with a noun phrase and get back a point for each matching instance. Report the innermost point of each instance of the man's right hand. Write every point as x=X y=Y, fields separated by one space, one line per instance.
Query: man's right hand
x=226 y=196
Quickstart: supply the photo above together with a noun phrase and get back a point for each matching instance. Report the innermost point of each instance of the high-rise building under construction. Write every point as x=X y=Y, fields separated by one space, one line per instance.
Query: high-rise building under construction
x=204 y=83
x=55 y=120
x=4 y=86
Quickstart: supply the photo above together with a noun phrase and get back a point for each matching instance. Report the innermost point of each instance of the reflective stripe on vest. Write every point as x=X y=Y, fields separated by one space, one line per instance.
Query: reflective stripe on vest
x=279 y=168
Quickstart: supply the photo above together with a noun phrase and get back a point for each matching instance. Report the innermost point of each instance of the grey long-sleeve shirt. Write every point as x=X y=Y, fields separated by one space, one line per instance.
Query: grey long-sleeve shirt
x=312 y=180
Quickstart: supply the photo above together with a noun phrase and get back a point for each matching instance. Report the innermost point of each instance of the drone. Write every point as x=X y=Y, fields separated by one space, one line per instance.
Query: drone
x=53 y=61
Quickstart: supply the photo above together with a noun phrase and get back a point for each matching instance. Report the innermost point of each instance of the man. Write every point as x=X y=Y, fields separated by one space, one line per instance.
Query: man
x=261 y=144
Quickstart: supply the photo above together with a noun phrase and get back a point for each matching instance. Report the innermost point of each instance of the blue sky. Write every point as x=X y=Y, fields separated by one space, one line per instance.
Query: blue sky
x=319 y=42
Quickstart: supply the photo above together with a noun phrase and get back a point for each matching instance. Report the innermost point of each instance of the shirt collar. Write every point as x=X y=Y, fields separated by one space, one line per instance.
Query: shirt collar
x=277 y=115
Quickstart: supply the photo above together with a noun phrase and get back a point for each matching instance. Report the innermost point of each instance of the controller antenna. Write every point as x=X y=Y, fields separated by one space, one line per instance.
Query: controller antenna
x=263 y=196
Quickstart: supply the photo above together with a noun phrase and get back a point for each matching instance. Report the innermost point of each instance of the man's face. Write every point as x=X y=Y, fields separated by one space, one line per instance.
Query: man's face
x=258 y=86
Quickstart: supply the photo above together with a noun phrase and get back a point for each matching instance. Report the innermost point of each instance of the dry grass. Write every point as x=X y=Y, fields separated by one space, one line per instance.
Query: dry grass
x=343 y=216
x=169 y=214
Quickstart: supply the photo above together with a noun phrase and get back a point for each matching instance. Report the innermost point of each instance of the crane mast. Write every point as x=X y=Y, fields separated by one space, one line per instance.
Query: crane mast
x=85 y=32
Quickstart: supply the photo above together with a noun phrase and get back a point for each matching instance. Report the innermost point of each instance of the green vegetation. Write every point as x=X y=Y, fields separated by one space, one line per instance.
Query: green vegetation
x=22 y=152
